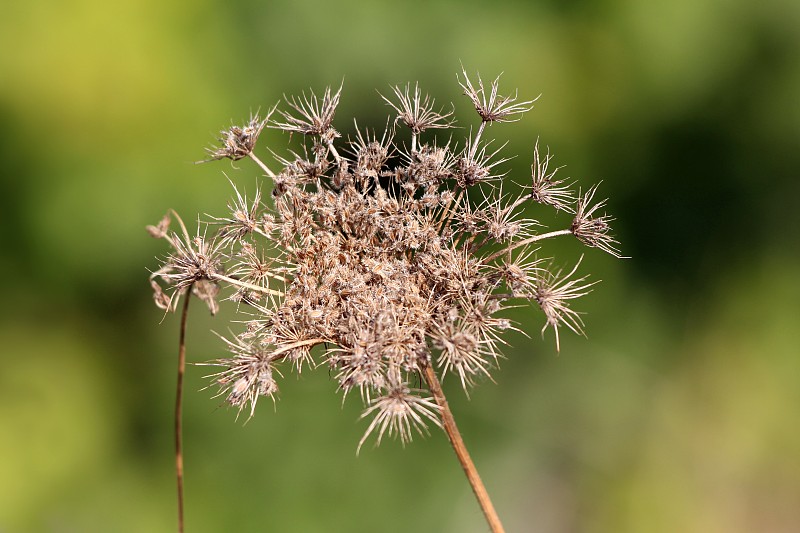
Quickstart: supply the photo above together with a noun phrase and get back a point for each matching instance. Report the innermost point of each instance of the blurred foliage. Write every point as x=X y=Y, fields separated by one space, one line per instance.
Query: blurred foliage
x=679 y=413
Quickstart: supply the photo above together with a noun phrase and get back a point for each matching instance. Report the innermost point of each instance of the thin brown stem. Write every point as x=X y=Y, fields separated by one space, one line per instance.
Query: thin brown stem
x=244 y=284
x=516 y=245
x=449 y=424
x=450 y=209
x=335 y=153
x=179 y=408
x=284 y=349
x=260 y=163
x=477 y=140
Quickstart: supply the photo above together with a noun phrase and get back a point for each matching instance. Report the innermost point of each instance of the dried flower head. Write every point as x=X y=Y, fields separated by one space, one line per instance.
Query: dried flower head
x=377 y=255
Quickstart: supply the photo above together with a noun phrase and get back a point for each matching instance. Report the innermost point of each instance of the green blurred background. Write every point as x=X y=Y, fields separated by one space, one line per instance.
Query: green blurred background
x=679 y=413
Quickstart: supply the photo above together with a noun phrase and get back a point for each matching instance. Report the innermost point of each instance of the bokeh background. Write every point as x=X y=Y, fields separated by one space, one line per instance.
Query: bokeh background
x=679 y=412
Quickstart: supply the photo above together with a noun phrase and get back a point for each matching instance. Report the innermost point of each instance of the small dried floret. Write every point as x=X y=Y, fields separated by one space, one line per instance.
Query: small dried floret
x=553 y=292
x=359 y=369
x=492 y=107
x=430 y=165
x=301 y=169
x=398 y=411
x=243 y=220
x=461 y=351
x=192 y=260
x=594 y=230
x=545 y=189
x=500 y=218
x=315 y=116
x=417 y=111
x=238 y=142
x=253 y=266
x=476 y=166
x=248 y=375
x=288 y=334
x=372 y=153
x=521 y=273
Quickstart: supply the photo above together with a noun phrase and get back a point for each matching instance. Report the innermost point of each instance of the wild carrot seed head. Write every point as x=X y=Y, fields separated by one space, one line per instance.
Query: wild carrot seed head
x=377 y=253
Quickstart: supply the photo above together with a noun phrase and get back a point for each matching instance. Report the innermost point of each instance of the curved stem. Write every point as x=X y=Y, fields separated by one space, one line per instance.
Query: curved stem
x=460 y=448
x=179 y=408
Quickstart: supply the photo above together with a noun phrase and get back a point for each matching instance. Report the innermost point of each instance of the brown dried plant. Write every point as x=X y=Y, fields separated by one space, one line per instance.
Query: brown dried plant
x=373 y=261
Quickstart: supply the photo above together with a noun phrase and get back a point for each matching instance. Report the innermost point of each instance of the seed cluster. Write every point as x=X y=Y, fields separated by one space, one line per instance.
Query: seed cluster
x=378 y=255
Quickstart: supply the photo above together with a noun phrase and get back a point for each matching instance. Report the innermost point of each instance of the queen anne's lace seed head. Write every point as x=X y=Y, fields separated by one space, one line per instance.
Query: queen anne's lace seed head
x=377 y=251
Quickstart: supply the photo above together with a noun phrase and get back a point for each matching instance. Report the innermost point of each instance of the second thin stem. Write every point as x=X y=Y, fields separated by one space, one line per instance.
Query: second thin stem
x=179 y=408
